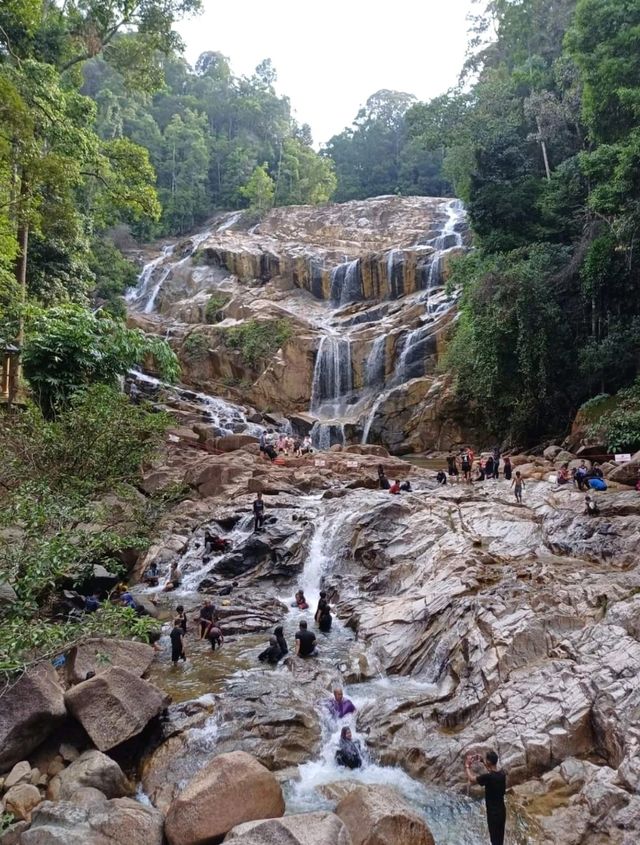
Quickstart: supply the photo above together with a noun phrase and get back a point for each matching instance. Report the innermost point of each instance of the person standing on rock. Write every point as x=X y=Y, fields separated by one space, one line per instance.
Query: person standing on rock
x=507 y=469
x=305 y=642
x=452 y=465
x=258 y=513
x=518 y=485
x=496 y=462
x=207 y=618
x=177 y=642
x=466 y=466
x=495 y=784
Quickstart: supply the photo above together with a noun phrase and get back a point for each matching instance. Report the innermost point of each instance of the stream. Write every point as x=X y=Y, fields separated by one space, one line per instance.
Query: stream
x=453 y=817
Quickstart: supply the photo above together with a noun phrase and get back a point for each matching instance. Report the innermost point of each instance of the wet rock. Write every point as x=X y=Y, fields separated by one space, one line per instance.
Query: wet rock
x=114 y=706
x=234 y=789
x=303 y=829
x=92 y=769
x=21 y=800
x=378 y=815
x=100 y=654
x=122 y=821
x=31 y=710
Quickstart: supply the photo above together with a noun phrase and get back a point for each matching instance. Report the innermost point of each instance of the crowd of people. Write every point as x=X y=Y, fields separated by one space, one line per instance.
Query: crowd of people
x=274 y=445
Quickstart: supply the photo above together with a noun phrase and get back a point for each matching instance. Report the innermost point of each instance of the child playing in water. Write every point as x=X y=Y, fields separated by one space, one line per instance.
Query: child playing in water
x=518 y=484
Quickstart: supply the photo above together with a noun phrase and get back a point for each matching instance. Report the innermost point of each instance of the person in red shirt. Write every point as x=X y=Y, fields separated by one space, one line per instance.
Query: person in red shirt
x=395 y=487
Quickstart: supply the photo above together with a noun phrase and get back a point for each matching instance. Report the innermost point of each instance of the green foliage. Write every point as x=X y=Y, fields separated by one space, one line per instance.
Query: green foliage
x=259 y=190
x=195 y=346
x=69 y=503
x=214 y=306
x=114 y=274
x=68 y=348
x=620 y=426
x=258 y=340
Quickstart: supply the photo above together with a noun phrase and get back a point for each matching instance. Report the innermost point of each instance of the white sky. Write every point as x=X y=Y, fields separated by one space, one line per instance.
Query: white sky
x=333 y=54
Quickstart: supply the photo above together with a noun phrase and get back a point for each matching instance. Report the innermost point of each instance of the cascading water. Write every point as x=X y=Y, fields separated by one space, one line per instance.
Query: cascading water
x=332 y=375
x=395 y=273
x=417 y=346
x=145 y=277
x=346 y=283
x=376 y=361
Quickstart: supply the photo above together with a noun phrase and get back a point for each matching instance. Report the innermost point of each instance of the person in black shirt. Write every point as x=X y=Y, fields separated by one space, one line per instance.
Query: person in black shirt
x=322 y=603
x=452 y=465
x=282 y=643
x=258 y=513
x=441 y=478
x=325 y=619
x=181 y=617
x=495 y=784
x=177 y=644
x=206 y=619
x=272 y=653
x=305 y=641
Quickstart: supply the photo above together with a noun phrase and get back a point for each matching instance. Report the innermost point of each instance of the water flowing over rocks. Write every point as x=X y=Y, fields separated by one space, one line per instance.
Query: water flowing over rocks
x=377 y=815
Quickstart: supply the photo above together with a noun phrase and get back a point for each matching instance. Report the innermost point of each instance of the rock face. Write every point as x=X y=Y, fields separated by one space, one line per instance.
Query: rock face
x=377 y=815
x=304 y=829
x=100 y=654
x=118 y=822
x=30 y=711
x=114 y=706
x=234 y=788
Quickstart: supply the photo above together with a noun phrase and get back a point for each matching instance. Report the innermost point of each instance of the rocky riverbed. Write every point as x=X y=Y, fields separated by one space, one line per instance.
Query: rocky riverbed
x=463 y=621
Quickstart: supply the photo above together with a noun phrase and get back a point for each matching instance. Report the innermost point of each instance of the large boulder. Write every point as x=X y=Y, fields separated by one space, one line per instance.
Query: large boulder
x=100 y=654
x=30 y=711
x=92 y=769
x=122 y=821
x=114 y=706
x=234 y=788
x=20 y=801
x=627 y=473
x=378 y=815
x=303 y=829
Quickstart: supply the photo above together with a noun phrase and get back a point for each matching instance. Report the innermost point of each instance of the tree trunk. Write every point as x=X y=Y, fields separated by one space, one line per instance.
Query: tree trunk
x=21 y=260
x=544 y=151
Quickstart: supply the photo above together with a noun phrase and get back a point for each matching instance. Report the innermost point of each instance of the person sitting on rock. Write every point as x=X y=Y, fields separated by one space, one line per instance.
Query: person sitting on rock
x=339 y=706
x=175 y=578
x=441 y=478
x=258 y=513
x=307 y=446
x=489 y=467
x=305 y=641
x=278 y=633
x=580 y=476
x=325 y=619
x=406 y=486
x=214 y=544
x=177 y=642
x=590 y=507
x=272 y=653
x=395 y=488
x=91 y=603
x=207 y=617
x=563 y=474
x=300 y=601
x=127 y=600
x=151 y=576
x=383 y=481
x=348 y=753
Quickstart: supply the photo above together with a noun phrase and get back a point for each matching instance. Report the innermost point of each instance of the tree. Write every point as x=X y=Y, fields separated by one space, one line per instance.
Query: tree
x=259 y=190
x=183 y=172
x=68 y=348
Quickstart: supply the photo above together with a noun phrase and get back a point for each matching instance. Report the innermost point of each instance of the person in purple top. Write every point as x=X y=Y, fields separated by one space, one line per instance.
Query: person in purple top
x=339 y=706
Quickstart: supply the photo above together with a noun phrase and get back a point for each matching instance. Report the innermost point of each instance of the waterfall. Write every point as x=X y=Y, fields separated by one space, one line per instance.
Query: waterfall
x=346 y=283
x=324 y=435
x=375 y=364
x=372 y=416
x=332 y=375
x=395 y=273
x=146 y=275
x=416 y=346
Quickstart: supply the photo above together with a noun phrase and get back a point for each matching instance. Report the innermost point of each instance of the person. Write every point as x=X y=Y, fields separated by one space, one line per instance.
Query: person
x=597 y=484
x=215 y=637
x=214 y=544
x=127 y=600
x=507 y=468
x=489 y=468
x=306 y=445
x=175 y=578
x=177 y=642
x=590 y=507
x=269 y=445
x=481 y=475
x=305 y=641
x=395 y=488
x=383 y=481
x=518 y=485
x=282 y=444
x=181 y=616
x=452 y=465
x=282 y=643
x=339 y=706
x=466 y=466
x=406 y=486
x=441 y=478
x=596 y=471
x=300 y=601
x=580 y=476
x=348 y=753
x=322 y=603
x=563 y=474
x=496 y=462
x=325 y=620
x=258 y=513
x=495 y=784
x=206 y=618
x=92 y=603
x=151 y=576
x=272 y=653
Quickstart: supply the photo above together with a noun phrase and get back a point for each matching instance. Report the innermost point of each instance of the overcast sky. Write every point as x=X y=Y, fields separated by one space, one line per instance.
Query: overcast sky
x=331 y=55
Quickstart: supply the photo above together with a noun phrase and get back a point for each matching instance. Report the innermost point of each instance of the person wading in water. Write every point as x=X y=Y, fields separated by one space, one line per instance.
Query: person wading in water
x=495 y=784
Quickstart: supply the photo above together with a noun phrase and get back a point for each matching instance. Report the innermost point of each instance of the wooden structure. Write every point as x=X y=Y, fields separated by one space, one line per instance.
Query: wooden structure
x=9 y=378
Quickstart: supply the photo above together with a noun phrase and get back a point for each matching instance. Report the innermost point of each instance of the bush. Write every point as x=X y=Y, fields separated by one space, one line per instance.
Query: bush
x=258 y=340
x=195 y=346
x=215 y=304
x=620 y=427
